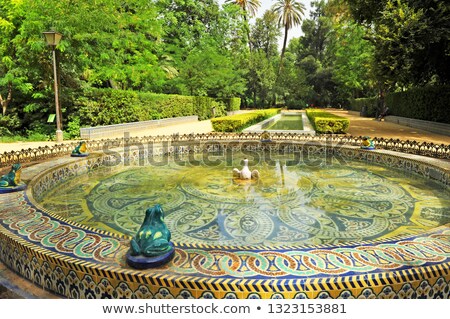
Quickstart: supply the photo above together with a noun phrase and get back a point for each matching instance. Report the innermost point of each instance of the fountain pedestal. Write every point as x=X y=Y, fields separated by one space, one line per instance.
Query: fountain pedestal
x=143 y=262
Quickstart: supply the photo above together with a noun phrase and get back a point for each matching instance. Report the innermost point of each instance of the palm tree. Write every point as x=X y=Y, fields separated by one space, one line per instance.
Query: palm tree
x=290 y=14
x=250 y=7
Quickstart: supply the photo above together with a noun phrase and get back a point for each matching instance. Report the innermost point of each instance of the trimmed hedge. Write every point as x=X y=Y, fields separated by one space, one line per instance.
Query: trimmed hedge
x=238 y=122
x=370 y=104
x=430 y=103
x=233 y=103
x=325 y=122
x=109 y=106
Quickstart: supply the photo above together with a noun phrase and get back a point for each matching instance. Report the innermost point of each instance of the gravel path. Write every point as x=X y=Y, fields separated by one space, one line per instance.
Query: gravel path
x=361 y=126
x=184 y=128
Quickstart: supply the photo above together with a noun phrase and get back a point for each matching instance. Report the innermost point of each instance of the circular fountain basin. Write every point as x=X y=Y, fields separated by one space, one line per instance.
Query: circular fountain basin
x=293 y=203
x=368 y=224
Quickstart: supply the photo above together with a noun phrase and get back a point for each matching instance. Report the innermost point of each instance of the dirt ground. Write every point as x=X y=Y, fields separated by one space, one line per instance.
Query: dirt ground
x=361 y=126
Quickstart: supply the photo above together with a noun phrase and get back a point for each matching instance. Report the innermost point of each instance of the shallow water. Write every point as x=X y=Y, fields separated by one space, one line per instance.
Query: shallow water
x=288 y=122
x=290 y=204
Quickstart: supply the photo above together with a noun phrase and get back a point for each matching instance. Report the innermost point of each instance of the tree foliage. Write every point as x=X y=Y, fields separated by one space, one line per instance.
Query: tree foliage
x=290 y=13
x=249 y=9
x=348 y=49
x=411 y=38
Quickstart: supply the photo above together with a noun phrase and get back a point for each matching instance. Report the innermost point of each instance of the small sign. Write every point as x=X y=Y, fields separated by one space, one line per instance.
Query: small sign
x=51 y=118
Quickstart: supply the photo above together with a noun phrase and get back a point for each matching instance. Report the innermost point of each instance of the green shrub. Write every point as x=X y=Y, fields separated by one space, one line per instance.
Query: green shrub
x=106 y=107
x=232 y=104
x=36 y=136
x=72 y=129
x=204 y=106
x=219 y=107
x=295 y=104
x=109 y=106
x=325 y=122
x=238 y=122
x=9 y=123
x=370 y=104
x=429 y=103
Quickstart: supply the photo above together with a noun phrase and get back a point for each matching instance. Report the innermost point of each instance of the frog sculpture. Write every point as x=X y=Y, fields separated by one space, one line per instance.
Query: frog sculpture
x=80 y=150
x=11 y=182
x=265 y=137
x=151 y=247
x=367 y=143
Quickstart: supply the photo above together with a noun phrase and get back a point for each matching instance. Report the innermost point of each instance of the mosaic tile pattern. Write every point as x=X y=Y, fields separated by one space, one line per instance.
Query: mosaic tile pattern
x=68 y=280
x=79 y=262
x=295 y=204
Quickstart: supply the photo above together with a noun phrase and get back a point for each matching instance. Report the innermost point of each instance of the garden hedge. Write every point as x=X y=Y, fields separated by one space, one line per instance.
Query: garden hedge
x=430 y=103
x=325 y=122
x=232 y=104
x=110 y=106
x=367 y=106
x=238 y=122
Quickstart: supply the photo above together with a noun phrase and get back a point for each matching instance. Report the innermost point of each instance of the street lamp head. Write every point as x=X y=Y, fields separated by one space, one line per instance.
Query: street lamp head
x=52 y=37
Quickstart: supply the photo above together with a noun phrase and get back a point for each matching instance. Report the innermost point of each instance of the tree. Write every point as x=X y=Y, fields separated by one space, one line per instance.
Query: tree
x=261 y=79
x=290 y=14
x=366 y=11
x=351 y=52
x=413 y=43
x=249 y=8
x=411 y=40
x=207 y=72
x=11 y=79
x=265 y=34
x=292 y=84
x=316 y=31
x=104 y=43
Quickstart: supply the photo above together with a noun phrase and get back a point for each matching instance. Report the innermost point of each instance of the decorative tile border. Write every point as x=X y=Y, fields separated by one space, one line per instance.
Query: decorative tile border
x=78 y=262
x=72 y=282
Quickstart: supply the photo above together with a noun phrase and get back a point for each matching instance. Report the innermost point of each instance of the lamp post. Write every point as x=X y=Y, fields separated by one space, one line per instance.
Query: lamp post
x=53 y=38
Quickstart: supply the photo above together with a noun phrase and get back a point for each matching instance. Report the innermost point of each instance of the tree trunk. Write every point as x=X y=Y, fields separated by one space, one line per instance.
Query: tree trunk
x=284 y=49
x=8 y=99
x=247 y=29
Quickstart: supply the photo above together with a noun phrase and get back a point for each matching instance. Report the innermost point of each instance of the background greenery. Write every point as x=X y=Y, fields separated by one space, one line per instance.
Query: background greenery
x=349 y=49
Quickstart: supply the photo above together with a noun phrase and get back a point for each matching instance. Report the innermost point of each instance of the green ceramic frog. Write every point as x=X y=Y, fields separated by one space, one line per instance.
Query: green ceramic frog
x=13 y=177
x=153 y=237
x=80 y=149
x=367 y=143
